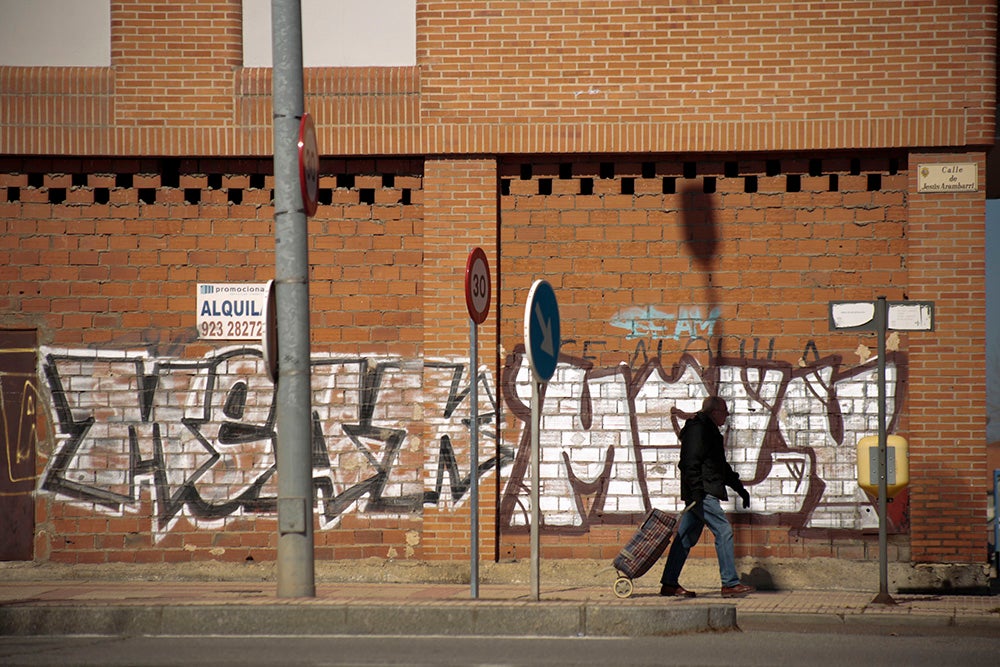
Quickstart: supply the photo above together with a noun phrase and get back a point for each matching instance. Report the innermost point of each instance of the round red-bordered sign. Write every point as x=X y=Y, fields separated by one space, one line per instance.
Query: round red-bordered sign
x=308 y=164
x=477 y=285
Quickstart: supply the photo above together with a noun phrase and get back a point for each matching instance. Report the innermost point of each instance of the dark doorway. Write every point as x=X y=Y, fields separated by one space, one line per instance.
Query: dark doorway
x=18 y=412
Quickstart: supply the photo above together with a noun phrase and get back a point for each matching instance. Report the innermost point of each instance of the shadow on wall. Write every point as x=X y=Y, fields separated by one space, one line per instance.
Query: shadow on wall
x=702 y=240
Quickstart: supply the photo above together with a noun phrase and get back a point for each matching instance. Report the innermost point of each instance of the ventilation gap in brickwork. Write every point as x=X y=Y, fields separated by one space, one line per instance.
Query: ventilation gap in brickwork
x=192 y=195
x=731 y=169
x=893 y=166
x=407 y=198
x=815 y=167
x=708 y=185
x=13 y=194
x=147 y=195
x=750 y=184
x=649 y=170
x=772 y=167
x=57 y=195
x=102 y=195
x=388 y=180
x=834 y=183
x=170 y=173
x=690 y=170
x=345 y=181
x=855 y=167
x=258 y=181
x=586 y=186
x=325 y=196
x=79 y=180
x=793 y=183
x=874 y=182
x=504 y=187
x=565 y=171
x=607 y=170
x=36 y=180
x=669 y=185
x=215 y=181
x=367 y=196
x=123 y=181
x=235 y=196
x=544 y=186
x=525 y=172
x=628 y=186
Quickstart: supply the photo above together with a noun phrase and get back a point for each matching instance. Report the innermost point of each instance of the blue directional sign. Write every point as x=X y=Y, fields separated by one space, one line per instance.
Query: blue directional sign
x=541 y=330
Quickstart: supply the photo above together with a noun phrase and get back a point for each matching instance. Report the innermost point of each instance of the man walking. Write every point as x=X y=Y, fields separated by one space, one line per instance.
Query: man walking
x=705 y=474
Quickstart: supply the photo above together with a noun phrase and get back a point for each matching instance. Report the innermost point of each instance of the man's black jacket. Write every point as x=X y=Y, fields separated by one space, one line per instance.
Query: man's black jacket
x=703 y=465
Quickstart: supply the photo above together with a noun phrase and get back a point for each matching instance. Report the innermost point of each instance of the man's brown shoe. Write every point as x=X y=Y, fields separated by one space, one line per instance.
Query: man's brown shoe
x=676 y=591
x=737 y=591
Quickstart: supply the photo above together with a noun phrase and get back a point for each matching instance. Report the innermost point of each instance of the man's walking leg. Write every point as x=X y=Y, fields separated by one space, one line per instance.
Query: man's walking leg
x=725 y=550
x=688 y=534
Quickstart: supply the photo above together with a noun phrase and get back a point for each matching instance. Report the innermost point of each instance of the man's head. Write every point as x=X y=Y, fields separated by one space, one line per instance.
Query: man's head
x=716 y=409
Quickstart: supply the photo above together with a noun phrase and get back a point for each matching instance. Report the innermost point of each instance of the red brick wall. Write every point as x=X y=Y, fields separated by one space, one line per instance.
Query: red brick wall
x=569 y=76
x=460 y=214
x=946 y=265
x=150 y=39
x=748 y=113
x=102 y=256
x=730 y=264
x=772 y=259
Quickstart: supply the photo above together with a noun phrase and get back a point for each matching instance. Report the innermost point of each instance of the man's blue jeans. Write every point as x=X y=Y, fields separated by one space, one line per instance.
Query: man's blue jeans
x=706 y=513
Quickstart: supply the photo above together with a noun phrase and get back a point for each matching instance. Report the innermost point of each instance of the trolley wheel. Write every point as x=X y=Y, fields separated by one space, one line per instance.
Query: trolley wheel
x=622 y=587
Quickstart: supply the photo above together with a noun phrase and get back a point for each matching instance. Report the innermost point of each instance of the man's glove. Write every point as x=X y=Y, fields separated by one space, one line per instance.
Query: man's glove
x=745 y=495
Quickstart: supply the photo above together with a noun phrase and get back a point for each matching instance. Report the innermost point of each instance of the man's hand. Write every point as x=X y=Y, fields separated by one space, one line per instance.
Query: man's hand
x=745 y=495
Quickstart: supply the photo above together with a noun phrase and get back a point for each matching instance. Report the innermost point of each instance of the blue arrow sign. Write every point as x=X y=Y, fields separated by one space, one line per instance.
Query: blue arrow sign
x=541 y=330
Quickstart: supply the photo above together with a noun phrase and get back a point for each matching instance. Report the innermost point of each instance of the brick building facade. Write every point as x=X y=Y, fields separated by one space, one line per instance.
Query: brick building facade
x=697 y=182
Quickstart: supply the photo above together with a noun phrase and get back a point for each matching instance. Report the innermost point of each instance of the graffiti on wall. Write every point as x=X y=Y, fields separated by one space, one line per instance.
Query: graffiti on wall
x=390 y=435
x=652 y=322
x=200 y=435
x=609 y=436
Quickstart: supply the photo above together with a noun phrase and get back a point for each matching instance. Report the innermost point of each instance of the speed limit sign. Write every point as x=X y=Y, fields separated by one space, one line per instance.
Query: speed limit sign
x=477 y=285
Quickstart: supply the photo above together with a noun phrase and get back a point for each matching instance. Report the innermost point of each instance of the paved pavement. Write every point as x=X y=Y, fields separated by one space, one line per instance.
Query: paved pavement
x=49 y=603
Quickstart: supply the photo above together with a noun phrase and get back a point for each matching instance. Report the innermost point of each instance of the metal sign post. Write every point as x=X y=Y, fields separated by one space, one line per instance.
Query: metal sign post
x=477 y=299
x=296 y=558
x=880 y=316
x=541 y=341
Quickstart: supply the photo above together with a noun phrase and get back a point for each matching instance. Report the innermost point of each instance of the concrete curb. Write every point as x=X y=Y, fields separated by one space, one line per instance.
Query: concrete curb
x=525 y=619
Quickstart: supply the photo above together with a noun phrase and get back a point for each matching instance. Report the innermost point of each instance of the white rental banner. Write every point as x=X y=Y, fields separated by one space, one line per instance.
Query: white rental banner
x=231 y=311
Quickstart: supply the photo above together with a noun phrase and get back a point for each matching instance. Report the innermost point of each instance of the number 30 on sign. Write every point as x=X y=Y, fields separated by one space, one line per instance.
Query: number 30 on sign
x=477 y=285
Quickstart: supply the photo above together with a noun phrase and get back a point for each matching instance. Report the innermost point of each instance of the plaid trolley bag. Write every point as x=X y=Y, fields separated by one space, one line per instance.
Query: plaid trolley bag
x=643 y=550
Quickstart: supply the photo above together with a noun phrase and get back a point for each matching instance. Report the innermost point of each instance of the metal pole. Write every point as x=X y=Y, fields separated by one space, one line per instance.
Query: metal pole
x=474 y=455
x=296 y=575
x=535 y=484
x=881 y=324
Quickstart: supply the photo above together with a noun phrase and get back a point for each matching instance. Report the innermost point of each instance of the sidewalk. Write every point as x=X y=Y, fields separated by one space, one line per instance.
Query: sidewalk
x=49 y=603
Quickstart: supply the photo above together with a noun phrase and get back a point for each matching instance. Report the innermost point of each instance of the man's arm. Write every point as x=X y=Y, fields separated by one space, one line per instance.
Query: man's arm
x=732 y=480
